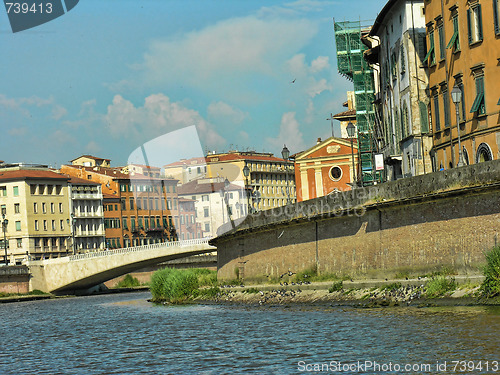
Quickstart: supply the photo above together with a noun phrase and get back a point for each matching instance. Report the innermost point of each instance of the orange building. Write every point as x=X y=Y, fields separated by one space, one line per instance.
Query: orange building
x=325 y=168
x=138 y=209
x=463 y=44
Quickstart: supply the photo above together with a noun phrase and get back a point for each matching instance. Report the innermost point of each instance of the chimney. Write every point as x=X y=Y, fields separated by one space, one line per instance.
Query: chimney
x=318 y=141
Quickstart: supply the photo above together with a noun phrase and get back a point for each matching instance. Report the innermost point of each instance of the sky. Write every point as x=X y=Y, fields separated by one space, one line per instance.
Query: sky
x=112 y=75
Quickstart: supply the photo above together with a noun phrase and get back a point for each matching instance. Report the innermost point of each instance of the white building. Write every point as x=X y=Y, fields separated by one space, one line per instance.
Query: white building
x=397 y=41
x=216 y=205
x=87 y=214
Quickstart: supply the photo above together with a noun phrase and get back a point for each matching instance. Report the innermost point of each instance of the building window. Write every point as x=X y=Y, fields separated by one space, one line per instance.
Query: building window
x=18 y=225
x=474 y=24
x=52 y=207
x=402 y=59
x=496 y=14
x=335 y=173
x=19 y=242
x=44 y=208
x=479 y=103
x=16 y=208
x=207 y=227
x=462 y=104
x=61 y=208
x=431 y=53
x=454 y=42
x=123 y=187
x=124 y=223
x=483 y=153
x=131 y=203
x=446 y=107
x=442 y=49
x=45 y=225
x=123 y=203
x=204 y=198
x=53 y=225
x=16 y=191
x=436 y=112
x=405 y=128
x=36 y=225
x=89 y=177
x=3 y=191
x=132 y=222
x=61 y=224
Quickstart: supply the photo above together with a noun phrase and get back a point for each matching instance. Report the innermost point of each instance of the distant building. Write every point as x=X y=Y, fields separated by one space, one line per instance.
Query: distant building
x=145 y=170
x=325 y=168
x=189 y=228
x=35 y=201
x=187 y=170
x=87 y=215
x=347 y=116
x=138 y=209
x=463 y=40
x=271 y=179
x=212 y=209
x=397 y=39
x=91 y=161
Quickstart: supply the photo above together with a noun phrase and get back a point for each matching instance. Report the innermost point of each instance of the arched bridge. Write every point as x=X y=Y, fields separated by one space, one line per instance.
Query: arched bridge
x=83 y=271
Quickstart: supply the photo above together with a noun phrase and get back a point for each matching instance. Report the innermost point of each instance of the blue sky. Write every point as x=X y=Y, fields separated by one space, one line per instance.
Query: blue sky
x=111 y=75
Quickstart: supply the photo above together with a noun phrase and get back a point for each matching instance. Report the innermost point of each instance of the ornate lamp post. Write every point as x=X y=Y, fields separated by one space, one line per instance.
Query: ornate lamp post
x=285 y=153
x=456 y=97
x=246 y=173
x=350 y=132
x=4 y=227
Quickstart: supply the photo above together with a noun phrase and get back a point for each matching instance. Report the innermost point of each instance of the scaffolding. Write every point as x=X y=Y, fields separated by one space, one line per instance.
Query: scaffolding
x=354 y=67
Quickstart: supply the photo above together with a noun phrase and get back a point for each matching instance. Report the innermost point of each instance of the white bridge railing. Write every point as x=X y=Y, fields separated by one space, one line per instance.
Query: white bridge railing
x=106 y=253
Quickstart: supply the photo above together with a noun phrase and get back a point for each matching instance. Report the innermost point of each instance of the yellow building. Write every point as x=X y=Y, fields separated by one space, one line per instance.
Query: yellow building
x=463 y=44
x=35 y=202
x=271 y=180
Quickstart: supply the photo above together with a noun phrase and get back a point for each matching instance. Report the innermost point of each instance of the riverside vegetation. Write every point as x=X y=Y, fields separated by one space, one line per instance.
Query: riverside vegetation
x=176 y=286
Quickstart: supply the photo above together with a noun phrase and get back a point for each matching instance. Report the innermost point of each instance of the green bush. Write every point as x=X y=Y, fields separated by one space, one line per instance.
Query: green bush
x=336 y=287
x=177 y=286
x=491 y=284
x=128 y=282
x=439 y=285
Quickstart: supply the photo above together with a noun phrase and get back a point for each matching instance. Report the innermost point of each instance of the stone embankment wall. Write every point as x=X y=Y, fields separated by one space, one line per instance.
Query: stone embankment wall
x=14 y=279
x=419 y=224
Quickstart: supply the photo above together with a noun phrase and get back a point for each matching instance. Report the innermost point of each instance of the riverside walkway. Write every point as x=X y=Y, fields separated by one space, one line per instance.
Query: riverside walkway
x=83 y=271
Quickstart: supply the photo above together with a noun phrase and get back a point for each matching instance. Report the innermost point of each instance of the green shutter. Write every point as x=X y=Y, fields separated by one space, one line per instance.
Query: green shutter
x=477 y=101
x=429 y=53
x=498 y=102
x=495 y=16
x=452 y=40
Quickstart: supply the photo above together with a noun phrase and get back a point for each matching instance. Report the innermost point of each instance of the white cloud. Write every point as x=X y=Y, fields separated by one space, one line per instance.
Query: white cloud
x=92 y=147
x=289 y=134
x=18 y=132
x=157 y=116
x=223 y=56
x=220 y=111
x=58 y=112
x=319 y=64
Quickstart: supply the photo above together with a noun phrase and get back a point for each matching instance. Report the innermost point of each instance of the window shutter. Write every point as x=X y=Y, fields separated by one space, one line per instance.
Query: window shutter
x=469 y=29
x=480 y=22
x=424 y=123
x=495 y=16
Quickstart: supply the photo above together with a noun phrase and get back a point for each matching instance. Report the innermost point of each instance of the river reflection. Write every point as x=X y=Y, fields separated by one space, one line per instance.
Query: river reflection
x=124 y=334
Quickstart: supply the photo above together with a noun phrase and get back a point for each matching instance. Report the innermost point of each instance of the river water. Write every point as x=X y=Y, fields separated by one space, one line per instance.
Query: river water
x=124 y=334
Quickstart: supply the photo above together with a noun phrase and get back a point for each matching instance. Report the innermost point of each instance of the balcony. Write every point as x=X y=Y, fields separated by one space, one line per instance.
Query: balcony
x=79 y=215
x=93 y=196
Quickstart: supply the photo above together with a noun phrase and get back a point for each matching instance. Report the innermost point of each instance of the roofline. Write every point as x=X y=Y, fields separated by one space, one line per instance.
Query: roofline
x=381 y=16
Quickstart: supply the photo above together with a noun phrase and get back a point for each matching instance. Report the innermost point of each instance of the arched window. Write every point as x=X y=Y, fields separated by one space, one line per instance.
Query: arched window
x=483 y=153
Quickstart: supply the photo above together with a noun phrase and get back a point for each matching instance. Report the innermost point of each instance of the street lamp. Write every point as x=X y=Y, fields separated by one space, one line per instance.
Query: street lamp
x=285 y=153
x=246 y=173
x=350 y=132
x=456 y=97
x=4 y=227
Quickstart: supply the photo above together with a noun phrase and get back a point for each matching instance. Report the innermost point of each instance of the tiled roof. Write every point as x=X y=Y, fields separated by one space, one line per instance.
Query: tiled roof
x=90 y=157
x=194 y=187
x=23 y=174
x=192 y=161
x=348 y=113
x=80 y=181
x=230 y=157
